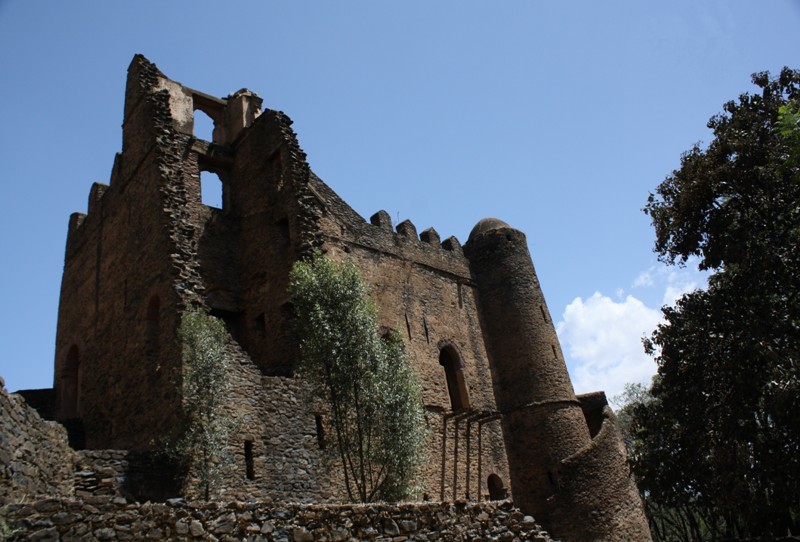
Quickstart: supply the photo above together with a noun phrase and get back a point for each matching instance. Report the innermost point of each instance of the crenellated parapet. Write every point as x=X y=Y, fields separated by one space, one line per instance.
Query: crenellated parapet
x=342 y=226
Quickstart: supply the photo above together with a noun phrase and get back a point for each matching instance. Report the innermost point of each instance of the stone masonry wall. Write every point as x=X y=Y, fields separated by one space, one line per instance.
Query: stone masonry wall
x=109 y=518
x=35 y=459
x=293 y=465
x=286 y=460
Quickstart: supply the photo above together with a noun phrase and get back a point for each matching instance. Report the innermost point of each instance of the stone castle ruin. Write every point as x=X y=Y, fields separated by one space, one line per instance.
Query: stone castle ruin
x=502 y=415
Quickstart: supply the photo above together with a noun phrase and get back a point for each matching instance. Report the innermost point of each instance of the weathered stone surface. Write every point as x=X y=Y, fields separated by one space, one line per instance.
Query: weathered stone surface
x=105 y=533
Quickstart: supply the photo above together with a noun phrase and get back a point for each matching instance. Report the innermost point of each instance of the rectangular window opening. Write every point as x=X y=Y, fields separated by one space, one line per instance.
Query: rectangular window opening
x=248 y=460
x=260 y=325
x=211 y=189
x=320 y=431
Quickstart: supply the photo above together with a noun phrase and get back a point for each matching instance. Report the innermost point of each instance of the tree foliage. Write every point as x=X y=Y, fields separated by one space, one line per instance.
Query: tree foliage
x=205 y=386
x=719 y=442
x=633 y=395
x=364 y=380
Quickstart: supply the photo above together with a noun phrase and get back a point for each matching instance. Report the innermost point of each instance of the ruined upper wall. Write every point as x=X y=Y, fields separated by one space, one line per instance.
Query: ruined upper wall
x=129 y=259
x=231 y=115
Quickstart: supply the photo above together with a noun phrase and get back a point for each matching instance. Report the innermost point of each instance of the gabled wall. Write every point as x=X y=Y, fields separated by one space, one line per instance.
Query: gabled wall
x=116 y=349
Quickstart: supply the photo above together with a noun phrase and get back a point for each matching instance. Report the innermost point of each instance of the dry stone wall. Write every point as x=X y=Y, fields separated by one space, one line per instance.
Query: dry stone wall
x=35 y=458
x=110 y=518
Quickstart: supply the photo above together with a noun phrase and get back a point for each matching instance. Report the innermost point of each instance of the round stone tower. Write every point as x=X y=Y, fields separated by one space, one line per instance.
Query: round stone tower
x=542 y=419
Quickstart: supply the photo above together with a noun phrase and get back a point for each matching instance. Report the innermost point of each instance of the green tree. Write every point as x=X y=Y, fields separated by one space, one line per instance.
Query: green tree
x=789 y=126
x=364 y=380
x=670 y=519
x=205 y=383
x=720 y=439
x=633 y=395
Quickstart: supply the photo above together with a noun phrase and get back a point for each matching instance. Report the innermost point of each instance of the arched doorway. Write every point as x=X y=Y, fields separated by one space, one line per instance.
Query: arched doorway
x=496 y=490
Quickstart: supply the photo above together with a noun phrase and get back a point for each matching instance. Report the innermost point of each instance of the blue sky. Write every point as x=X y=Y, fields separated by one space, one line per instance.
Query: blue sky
x=558 y=117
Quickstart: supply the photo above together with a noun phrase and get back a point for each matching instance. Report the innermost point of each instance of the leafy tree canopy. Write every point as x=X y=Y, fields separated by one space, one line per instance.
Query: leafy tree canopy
x=736 y=196
x=371 y=392
x=720 y=435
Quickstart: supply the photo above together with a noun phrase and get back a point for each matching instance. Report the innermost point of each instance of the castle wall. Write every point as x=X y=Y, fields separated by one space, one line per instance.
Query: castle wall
x=424 y=292
x=275 y=210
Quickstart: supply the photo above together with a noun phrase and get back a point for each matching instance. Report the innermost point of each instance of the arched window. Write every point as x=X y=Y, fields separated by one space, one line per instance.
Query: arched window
x=153 y=331
x=496 y=490
x=70 y=384
x=454 y=374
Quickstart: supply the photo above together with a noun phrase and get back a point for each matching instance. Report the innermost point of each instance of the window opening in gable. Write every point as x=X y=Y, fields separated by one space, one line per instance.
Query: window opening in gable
x=211 y=189
x=203 y=126
x=454 y=374
x=276 y=169
x=260 y=325
x=282 y=226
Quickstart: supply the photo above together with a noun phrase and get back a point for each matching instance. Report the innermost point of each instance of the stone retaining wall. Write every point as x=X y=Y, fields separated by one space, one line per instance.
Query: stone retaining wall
x=113 y=518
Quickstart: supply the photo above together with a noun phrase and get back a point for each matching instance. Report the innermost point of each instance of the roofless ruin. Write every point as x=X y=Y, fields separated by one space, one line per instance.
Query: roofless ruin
x=502 y=413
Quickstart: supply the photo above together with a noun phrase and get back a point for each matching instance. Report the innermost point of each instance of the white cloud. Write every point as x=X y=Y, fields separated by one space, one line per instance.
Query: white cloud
x=681 y=281
x=645 y=278
x=675 y=281
x=602 y=335
x=603 y=339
